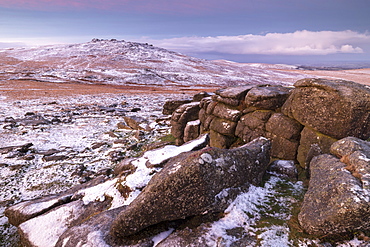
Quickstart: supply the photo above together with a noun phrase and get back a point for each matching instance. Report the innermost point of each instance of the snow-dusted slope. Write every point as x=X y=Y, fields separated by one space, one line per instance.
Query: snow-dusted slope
x=121 y=62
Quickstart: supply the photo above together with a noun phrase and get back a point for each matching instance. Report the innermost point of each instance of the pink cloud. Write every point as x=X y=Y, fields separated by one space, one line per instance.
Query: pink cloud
x=154 y=6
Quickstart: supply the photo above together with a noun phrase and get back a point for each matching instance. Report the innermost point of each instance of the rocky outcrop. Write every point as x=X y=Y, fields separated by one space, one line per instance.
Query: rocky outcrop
x=338 y=196
x=335 y=108
x=195 y=183
x=316 y=112
x=42 y=221
x=248 y=112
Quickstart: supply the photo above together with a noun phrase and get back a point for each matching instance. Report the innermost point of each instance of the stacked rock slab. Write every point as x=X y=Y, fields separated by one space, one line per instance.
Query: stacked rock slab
x=185 y=125
x=244 y=112
x=181 y=117
x=313 y=114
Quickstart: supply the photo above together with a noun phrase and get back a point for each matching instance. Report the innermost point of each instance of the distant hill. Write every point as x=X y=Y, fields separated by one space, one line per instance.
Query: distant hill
x=129 y=63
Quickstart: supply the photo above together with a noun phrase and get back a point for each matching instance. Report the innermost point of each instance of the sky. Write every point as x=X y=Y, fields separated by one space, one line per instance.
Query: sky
x=270 y=31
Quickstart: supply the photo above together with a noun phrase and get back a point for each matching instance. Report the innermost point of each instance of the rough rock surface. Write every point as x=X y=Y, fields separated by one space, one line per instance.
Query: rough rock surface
x=170 y=106
x=283 y=168
x=335 y=108
x=195 y=183
x=91 y=232
x=182 y=115
x=338 y=197
x=267 y=97
x=309 y=138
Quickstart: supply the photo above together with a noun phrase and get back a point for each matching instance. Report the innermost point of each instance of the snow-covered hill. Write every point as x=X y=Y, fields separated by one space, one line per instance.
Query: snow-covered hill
x=121 y=63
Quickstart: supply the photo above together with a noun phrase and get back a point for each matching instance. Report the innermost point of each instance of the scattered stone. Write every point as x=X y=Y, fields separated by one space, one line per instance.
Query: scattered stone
x=50 y=152
x=32 y=120
x=133 y=123
x=136 y=109
x=99 y=145
x=125 y=167
x=54 y=158
x=21 y=148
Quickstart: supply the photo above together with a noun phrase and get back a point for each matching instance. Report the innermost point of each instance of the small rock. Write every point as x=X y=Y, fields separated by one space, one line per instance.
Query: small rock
x=284 y=168
x=136 y=109
x=55 y=158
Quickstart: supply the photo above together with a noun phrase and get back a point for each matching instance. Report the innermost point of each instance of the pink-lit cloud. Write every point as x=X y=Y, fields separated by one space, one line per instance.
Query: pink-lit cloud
x=296 y=43
x=153 y=6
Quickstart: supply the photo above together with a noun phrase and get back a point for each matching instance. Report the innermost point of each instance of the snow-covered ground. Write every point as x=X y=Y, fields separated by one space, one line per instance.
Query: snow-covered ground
x=87 y=137
x=85 y=141
x=121 y=63
x=50 y=144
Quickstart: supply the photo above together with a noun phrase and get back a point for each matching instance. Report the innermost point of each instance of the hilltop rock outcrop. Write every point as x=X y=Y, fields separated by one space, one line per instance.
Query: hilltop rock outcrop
x=244 y=127
x=316 y=112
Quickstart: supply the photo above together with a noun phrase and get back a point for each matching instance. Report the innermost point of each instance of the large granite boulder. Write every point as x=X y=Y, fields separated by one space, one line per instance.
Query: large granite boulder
x=338 y=196
x=336 y=108
x=195 y=183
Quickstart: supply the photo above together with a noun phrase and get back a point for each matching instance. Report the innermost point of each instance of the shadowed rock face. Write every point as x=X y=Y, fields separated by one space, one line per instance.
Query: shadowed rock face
x=195 y=183
x=338 y=197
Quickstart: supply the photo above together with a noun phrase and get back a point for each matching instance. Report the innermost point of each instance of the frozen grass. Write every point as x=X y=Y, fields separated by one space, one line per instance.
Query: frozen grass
x=22 y=179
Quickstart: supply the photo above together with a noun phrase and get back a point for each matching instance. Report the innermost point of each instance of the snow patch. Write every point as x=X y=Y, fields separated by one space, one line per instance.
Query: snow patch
x=161 y=236
x=54 y=223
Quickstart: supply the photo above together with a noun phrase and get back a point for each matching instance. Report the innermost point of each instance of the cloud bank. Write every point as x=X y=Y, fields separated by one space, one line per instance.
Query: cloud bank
x=151 y=6
x=296 y=43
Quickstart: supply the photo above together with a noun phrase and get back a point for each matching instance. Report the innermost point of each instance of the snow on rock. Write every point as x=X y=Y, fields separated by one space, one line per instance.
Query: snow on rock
x=80 y=138
x=249 y=208
x=44 y=230
x=140 y=178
